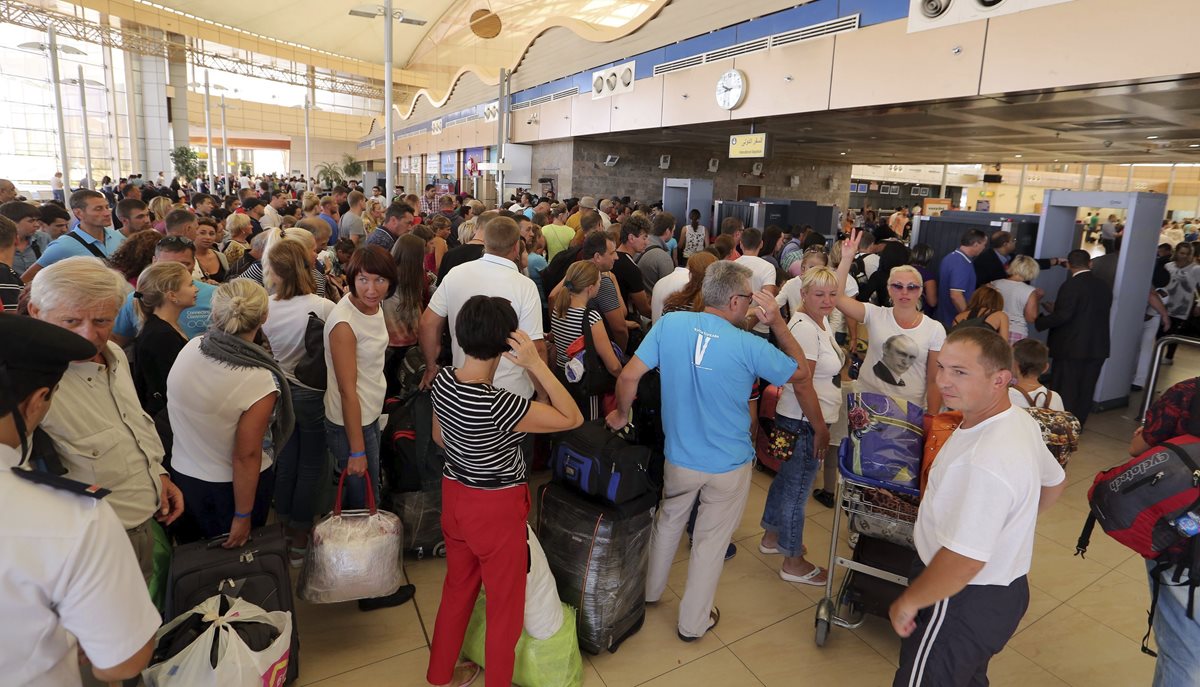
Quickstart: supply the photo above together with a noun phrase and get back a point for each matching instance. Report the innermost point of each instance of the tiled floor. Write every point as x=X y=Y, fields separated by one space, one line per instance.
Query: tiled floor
x=1083 y=628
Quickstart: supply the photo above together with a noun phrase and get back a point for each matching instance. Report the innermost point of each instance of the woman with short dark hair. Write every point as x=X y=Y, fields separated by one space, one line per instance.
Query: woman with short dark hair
x=356 y=340
x=485 y=499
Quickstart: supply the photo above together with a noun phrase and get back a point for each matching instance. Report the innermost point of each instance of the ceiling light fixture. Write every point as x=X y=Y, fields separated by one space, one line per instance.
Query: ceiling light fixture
x=1018 y=155
x=1194 y=145
x=372 y=11
x=1151 y=138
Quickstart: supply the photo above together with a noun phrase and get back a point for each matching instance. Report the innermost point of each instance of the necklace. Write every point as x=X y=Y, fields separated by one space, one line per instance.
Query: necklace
x=906 y=325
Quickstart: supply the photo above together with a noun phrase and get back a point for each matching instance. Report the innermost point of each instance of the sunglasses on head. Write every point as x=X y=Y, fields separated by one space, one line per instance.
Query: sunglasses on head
x=175 y=242
x=905 y=287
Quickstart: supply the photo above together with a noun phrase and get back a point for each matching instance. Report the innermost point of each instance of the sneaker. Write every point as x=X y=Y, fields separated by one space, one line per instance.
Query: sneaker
x=823 y=497
x=730 y=552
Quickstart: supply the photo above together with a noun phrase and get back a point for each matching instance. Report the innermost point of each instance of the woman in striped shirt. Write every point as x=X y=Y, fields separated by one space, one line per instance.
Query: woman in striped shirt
x=581 y=284
x=485 y=499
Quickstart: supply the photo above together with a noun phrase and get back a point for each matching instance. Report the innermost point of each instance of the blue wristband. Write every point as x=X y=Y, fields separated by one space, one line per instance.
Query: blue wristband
x=240 y=515
x=359 y=454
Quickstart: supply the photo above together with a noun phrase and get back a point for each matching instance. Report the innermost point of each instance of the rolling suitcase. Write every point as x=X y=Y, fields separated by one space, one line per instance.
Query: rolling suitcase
x=766 y=422
x=421 y=514
x=599 y=554
x=257 y=572
x=875 y=595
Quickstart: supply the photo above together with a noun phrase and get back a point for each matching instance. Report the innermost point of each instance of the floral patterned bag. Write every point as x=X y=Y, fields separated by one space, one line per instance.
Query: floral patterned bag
x=781 y=443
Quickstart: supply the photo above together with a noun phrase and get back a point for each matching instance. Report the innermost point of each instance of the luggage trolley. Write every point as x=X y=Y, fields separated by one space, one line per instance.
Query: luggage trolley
x=866 y=503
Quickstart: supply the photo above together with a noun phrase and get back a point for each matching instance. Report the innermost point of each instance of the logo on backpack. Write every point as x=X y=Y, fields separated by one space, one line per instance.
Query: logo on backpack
x=1134 y=472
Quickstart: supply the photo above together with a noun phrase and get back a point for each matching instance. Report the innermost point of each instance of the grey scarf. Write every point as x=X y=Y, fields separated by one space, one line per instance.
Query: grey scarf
x=236 y=352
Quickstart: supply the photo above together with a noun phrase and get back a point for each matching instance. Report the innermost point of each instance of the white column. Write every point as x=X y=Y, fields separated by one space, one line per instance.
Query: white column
x=389 y=168
x=1021 y=188
x=225 y=145
x=55 y=85
x=86 y=181
x=211 y=163
x=945 y=172
x=307 y=149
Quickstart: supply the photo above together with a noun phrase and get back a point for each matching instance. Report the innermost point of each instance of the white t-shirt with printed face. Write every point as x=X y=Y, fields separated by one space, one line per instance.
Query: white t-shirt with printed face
x=897 y=358
x=819 y=346
x=982 y=498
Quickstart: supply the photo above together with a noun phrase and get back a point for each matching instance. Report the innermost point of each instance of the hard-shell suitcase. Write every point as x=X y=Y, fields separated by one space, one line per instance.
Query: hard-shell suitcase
x=766 y=422
x=599 y=554
x=257 y=572
x=875 y=595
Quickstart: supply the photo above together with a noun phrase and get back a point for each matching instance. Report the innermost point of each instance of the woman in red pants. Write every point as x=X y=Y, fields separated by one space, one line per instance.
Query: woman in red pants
x=485 y=498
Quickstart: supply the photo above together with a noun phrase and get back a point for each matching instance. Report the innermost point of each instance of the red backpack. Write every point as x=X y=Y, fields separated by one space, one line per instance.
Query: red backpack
x=1139 y=503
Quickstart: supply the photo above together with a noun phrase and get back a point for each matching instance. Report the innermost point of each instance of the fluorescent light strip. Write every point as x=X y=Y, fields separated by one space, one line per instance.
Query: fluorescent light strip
x=227 y=27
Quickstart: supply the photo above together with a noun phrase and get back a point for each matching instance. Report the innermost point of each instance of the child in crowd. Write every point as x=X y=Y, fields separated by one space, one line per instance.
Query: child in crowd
x=1031 y=359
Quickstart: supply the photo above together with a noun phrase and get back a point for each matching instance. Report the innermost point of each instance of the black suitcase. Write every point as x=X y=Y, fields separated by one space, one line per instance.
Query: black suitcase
x=598 y=553
x=872 y=594
x=600 y=463
x=257 y=572
x=421 y=514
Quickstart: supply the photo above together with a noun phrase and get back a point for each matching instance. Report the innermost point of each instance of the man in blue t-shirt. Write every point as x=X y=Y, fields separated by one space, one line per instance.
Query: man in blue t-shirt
x=93 y=237
x=194 y=320
x=706 y=421
x=956 y=276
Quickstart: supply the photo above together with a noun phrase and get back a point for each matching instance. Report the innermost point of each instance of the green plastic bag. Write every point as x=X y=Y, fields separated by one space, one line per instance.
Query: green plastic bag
x=162 y=564
x=553 y=662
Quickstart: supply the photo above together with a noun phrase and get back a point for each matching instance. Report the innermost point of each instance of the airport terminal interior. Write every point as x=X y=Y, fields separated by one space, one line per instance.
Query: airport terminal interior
x=1069 y=124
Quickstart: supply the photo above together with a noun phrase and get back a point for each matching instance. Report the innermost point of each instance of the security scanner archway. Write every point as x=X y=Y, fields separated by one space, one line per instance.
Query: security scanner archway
x=1057 y=237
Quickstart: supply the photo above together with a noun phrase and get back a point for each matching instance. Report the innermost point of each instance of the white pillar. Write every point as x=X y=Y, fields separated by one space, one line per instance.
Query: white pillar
x=501 y=136
x=211 y=162
x=63 y=160
x=87 y=141
x=307 y=150
x=1021 y=188
x=945 y=172
x=389 y=168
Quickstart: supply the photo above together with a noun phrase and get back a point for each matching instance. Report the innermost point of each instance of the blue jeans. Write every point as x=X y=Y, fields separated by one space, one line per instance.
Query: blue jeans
x=339 y=445
x=210 y=505
x=788 y=496
x=300 y=464
x=1178 y=636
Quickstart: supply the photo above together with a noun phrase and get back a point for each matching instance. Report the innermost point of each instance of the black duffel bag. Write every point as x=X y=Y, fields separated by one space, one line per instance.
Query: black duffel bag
x=601 y=463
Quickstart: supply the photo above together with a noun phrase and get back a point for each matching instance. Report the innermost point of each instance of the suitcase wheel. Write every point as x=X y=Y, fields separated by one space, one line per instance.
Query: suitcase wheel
x=439 y=551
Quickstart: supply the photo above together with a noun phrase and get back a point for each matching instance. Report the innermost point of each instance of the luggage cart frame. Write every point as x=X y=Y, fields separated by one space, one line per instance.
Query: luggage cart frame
x=851 y=493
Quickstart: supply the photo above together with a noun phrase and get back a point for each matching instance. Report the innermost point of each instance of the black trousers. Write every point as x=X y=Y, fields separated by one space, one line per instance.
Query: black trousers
x=957 y=637
x=1075 y=379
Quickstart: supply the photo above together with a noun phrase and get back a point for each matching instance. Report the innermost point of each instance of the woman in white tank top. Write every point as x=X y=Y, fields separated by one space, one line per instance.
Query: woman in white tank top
x=1020 y=298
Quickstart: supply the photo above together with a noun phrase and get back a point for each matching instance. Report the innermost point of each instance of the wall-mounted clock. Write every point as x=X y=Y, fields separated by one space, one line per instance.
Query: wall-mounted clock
x=731 y=89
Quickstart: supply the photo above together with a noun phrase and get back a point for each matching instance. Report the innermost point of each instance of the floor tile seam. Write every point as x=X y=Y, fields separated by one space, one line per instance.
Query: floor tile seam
x=666 y=672
x=365 y=665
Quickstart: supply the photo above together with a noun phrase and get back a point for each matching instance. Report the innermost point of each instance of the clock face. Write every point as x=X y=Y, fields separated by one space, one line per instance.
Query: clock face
x=731 y=89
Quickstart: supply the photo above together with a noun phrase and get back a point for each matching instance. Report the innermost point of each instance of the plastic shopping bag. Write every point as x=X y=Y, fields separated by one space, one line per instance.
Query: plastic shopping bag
x=543 y=609
x=220 y=656
x=553 y=662
x=886 y=437
x=353 y=554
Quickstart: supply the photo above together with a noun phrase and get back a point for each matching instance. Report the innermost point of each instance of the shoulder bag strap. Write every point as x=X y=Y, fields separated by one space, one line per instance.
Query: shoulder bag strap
x=91 y=247
x=1049 y=396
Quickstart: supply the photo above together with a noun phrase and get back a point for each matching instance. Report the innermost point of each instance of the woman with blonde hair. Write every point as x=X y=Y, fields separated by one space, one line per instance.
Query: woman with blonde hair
x=581 y=284
x=160 y=207
x=237 y=228
x=230 y=407
x=1021 y=297
x=260 y=272
x=903 y=343
x=691 y=297
x=164 y=290
x=804 y=424
x=373 y=217
x=310 y=204
x=300 y=463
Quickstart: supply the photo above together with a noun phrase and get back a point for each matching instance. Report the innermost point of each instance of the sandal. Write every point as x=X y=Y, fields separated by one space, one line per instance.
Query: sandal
x=809 y=578
x=296 y=555
x=467 y=677
x=714 y=615
x=774 y=550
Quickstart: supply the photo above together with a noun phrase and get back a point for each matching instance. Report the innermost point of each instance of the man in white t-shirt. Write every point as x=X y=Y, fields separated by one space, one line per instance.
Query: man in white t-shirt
x=975 y=529
x=762 y=273
x=494 y=274
x=666 y=287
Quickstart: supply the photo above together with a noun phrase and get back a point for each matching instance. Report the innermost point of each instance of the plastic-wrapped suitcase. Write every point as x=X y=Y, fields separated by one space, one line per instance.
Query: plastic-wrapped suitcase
x=598 y=554
x=421 y=514
x=257 y=572
x=766 y=422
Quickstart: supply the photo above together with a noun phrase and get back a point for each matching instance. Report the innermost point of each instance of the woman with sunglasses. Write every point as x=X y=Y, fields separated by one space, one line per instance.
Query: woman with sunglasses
x=903 y=344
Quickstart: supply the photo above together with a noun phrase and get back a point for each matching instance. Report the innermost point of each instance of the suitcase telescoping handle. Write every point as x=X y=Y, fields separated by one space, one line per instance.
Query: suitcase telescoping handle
x=337 y=502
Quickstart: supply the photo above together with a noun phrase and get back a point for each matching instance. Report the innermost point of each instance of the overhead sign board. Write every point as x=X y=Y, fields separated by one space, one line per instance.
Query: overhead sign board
x=747 y=146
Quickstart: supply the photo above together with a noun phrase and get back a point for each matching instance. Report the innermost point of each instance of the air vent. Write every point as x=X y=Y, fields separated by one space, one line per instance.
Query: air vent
x=491 y=111
x=934 y=14
x=569 y=93
x=735 y=50
x=613 y=80
x=436 y=127
x=520 y=106
x=828 y=28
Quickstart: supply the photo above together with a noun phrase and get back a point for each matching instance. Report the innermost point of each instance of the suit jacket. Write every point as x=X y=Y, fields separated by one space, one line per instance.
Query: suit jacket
x=1079 y=324
x=989 y=267
x=885 y=375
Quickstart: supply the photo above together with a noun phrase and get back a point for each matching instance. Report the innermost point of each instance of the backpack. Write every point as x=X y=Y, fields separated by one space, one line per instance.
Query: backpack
x=1138 y=503
x=1060 y=429
x=941 y=426
x=585 y=372
x=311 y=370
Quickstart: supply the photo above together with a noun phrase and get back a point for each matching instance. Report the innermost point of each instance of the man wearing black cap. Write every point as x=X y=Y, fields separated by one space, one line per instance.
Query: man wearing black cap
x=70 y=583
x=254 y=209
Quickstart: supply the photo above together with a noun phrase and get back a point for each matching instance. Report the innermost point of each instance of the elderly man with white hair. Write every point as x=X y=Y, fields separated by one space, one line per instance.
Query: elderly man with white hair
x=96 y=425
